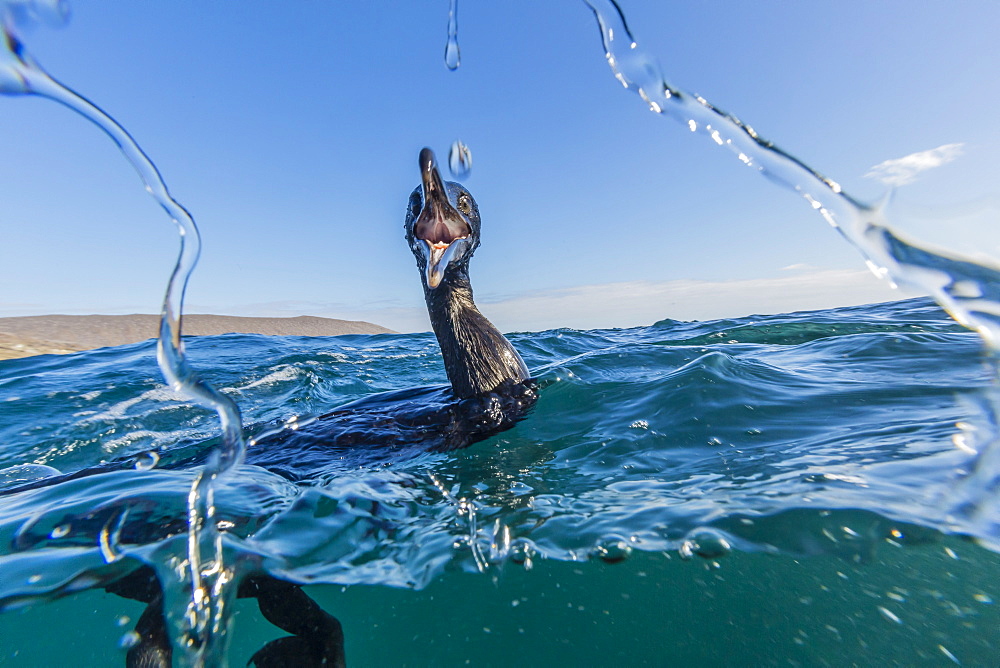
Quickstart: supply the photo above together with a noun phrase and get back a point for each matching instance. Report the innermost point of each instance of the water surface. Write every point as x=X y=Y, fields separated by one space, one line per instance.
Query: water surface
x=683 y=477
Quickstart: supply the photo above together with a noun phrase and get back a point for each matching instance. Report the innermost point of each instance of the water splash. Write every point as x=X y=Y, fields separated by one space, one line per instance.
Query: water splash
x=459 y=160
x=968 y=290
x=202 y=623
x=452 y=54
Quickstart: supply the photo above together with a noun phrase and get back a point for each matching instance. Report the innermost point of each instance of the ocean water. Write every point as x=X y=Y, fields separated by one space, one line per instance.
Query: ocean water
x=768 y=490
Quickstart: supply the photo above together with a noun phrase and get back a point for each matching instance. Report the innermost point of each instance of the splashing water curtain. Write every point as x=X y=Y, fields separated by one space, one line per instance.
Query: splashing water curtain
x=204 y=621
x=969 y=291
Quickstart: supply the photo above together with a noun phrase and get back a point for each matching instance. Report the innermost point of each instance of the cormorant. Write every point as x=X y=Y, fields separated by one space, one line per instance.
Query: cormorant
x=490 y=390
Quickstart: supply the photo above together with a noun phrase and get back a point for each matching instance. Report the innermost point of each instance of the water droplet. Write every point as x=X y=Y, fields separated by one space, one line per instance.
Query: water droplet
x=459 y=160
x=613 y=551
x=452 y=56
x=146 y=460
x=60 y=531
x=705 y=543
x=123 y=620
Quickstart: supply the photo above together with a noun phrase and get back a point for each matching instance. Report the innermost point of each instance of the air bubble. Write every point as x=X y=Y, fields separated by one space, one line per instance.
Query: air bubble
x=889 y=615
x=146 y=460
x=613 y=551
x=22 y=473
x=522 y=553
x=60 y=531
x=129 y=640
x=705 y=543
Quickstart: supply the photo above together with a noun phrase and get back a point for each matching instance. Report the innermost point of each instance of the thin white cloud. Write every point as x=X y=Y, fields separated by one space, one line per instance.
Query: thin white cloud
x=630 y=304
x=627 y=304
x=19 y=309
x=900 y=171
x=14 y=309
x=624 y=304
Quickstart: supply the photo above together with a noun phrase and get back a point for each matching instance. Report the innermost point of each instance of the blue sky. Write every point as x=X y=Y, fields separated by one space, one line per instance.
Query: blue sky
x=291 y=132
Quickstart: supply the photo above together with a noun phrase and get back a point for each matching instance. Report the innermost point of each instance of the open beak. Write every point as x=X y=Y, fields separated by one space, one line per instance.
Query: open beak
x=439 y=225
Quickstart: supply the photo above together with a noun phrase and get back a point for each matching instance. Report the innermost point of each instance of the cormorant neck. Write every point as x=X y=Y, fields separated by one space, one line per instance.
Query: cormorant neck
x=477 y=357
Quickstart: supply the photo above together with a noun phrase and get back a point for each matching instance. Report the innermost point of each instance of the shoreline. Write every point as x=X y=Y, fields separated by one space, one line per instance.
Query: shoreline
x=25 y=336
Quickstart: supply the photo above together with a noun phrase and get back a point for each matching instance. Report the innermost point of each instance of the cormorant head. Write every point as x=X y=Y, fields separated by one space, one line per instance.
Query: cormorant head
x=442 y=223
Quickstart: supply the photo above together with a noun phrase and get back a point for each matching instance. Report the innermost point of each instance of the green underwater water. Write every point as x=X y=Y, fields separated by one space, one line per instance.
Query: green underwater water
x=901 y=606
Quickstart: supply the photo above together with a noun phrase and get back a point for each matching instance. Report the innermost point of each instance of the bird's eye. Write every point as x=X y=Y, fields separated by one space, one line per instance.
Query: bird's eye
x=464 y=204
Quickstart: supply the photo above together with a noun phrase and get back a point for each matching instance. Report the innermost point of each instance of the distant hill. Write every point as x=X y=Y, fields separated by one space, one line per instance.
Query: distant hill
x=58 y=334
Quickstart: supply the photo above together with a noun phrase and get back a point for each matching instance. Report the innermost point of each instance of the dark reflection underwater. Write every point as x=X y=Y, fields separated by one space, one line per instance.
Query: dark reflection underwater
x=765 y=490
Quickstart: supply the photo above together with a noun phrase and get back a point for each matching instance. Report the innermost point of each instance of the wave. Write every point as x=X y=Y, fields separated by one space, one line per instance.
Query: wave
x=814 y=432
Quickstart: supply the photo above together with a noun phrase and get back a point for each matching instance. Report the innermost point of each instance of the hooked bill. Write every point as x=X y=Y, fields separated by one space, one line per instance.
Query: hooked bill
x=439 y=225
